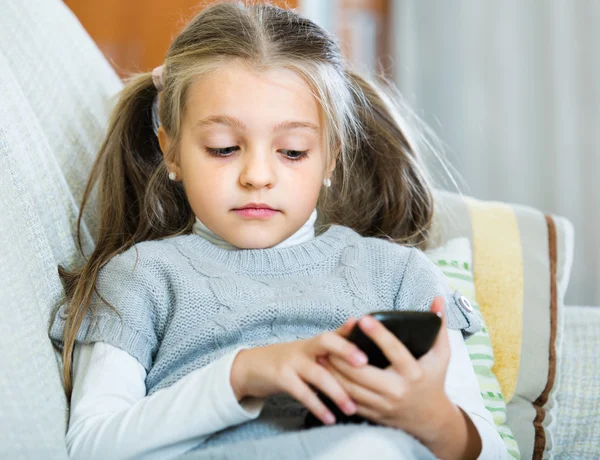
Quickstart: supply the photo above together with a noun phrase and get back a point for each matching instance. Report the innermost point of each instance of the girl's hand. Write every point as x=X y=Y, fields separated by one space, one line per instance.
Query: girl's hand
x=409 y=394
x=290 y=367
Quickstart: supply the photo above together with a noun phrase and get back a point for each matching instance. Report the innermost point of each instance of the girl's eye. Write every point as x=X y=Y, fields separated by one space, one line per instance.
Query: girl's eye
x=223 y=152
x=294 y=155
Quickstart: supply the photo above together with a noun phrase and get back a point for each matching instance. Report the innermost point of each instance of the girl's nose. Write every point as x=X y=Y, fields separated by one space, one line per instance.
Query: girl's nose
x=258 y=169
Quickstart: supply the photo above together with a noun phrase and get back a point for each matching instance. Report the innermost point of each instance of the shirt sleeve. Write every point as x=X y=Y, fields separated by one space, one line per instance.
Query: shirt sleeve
x=422 y=281
x=111 y=416
x=463 y=390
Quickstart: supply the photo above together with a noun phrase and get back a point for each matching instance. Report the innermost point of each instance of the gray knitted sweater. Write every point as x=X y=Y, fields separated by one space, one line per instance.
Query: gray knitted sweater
x=184 y=302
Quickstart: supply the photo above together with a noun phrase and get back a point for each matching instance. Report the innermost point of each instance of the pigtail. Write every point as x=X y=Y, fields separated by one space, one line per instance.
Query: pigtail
x=136 y=202
x=382 y=188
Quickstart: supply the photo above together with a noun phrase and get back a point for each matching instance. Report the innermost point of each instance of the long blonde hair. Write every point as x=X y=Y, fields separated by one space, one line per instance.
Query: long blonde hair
x=379 y=186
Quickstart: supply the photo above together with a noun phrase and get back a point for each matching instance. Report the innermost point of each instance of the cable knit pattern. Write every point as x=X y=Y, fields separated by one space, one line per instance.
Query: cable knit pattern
x=184 y=302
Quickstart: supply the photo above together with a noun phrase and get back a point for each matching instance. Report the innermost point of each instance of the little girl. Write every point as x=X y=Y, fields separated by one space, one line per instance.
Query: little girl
x=213 y=304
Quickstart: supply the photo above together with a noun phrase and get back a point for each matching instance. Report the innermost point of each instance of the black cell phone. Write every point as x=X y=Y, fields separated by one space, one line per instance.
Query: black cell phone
x=417 y=330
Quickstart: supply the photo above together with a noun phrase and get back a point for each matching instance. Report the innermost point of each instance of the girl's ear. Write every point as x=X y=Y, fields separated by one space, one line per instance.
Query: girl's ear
x=165 y=144
x=331 y=166
x=164 y=141
x=335 y=154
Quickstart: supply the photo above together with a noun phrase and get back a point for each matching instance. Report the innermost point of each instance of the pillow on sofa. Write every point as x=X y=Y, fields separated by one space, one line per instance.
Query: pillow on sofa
x=455 y=260
x=521 y=266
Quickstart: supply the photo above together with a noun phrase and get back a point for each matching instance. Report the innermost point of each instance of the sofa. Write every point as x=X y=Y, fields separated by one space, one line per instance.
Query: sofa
x=56 y=92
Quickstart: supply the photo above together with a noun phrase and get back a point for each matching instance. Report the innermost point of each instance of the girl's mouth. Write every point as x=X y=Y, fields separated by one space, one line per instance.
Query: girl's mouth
x=256 y=213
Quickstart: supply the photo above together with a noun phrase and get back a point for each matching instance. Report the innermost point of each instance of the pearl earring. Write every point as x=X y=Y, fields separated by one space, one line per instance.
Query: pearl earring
x=327 y=182
x=173 y=175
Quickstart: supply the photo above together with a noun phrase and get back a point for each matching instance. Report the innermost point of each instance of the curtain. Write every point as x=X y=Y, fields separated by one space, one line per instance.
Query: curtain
x=512 y=87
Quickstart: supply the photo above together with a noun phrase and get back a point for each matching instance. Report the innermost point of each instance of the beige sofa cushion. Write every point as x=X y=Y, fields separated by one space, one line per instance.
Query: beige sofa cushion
x=54 y=92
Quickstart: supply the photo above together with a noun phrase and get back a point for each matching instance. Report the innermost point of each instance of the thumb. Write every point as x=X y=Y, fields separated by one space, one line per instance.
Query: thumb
x=344 y=329
x=438 y=306
x=441 y=344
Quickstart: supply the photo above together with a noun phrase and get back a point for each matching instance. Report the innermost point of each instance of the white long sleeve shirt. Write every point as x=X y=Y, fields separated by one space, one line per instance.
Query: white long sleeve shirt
x=111 y=416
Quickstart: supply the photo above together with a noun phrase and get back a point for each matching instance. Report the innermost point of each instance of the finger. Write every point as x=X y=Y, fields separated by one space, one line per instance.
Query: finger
x=322 y=379
x=360 y=394
x=334 y=344
x=299 y=390
x=370 y=414
x=345 y=329
x=441 y=346
x=438 y=306
x=397 y=354
x=379 y=381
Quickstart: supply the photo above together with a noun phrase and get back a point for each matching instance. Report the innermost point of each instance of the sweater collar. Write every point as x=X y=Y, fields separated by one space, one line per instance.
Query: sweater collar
x=213 y=260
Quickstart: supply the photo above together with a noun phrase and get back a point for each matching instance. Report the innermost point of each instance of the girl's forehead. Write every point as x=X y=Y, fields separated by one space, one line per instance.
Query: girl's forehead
x=238 y=91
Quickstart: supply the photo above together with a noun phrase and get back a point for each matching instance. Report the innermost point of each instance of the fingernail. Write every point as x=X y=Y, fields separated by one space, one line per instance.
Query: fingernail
x=368 y=322
x=439 y=313
x=359 y=357
x=349 y=408
x=329 y=418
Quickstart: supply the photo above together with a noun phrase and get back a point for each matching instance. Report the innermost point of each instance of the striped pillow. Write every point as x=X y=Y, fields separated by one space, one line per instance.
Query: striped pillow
x=522 y=262
x=455 y=261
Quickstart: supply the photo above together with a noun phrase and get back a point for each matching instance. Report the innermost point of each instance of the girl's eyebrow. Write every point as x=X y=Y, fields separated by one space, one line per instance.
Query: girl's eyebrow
x=237 y=123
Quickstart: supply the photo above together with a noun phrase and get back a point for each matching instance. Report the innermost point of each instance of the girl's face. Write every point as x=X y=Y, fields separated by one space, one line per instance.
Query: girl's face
x=251 y=138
